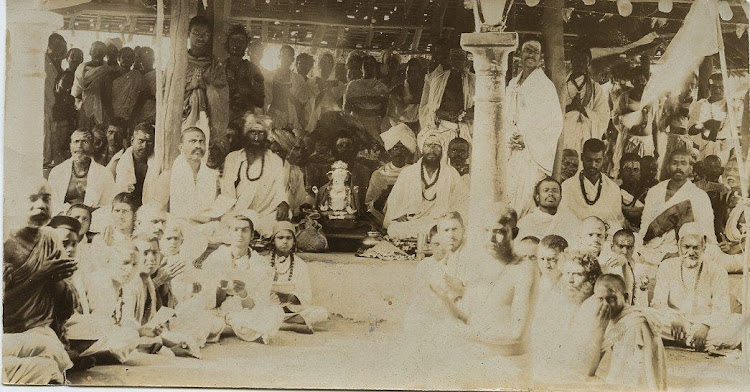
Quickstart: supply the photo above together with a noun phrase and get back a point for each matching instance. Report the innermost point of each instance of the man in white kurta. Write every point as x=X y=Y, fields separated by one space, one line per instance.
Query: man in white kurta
x=692 y=296
x=447 y=104
x=546 y=218
x=586 y=104
x=423 y=192
x=80 y=179
x=254 y=178
x=669 y=205
x=191 y=187
x=591 y=193
x=534 y=121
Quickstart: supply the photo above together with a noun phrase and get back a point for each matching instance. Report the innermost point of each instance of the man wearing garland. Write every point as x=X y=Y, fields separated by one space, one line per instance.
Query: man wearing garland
x=412 y=210
x=589 y=193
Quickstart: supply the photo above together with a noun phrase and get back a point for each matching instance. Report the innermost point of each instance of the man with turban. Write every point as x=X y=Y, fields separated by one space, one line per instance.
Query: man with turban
x=423 y=192
x=401 y=145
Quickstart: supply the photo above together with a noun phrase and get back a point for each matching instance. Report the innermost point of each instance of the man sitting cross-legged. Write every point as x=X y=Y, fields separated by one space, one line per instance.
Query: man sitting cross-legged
x=423 y=192
x=671 y=204
x=547 y=218
x=620 y=259
x=692 y=296
x=36 y=294
x=626 y=351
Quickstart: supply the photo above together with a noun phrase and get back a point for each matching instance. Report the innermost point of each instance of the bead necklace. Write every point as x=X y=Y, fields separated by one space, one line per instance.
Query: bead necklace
x=598 y=190
x=262 y=166
x=697 y=278
x=276 y=272
x=426 y=185
x=85 y=171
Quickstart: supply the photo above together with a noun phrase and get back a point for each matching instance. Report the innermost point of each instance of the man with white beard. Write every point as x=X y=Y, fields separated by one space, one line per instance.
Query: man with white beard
x=560 y=311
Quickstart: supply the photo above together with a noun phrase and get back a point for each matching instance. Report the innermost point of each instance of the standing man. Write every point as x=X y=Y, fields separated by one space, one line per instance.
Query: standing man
x=36 y=295
x=586 y=104
x=254 y=177
x=245 y=81
x=534 y=123
x=145 y=108
x=127 y=86
x=80 y=179
x=56 y=49
x=136 y=171
x=206 y=92
x=590 y=193
x=92 y=88
x=447 y=103
x=190 y=187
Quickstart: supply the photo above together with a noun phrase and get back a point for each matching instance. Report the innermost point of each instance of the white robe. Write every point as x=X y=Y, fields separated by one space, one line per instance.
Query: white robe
x=578 y=128
x=125 y=175
x=655 y=204
x=432 y=98
x=299 y=285
x=608 y=208
x=541 y=224
x=99 y=186
x=531 y=109
x=407 y=198
x=186 y=194
x=263 y=195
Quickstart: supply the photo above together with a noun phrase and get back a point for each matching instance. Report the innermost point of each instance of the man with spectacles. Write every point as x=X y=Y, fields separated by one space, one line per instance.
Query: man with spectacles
x=533 y=123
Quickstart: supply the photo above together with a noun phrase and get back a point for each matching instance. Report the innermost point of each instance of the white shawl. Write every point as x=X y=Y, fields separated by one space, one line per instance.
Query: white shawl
x=189 y=196
x=99 y=185
x=432 y=95
x=125 y=175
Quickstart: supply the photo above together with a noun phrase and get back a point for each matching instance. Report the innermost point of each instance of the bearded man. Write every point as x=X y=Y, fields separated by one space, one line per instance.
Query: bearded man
x=36 y=295
x=254 y=177
x=410 y=209
x=401 y=145
x=534 y=122
x=92 y=88
x=547 y=219
x=245 y=81
x=669 y=205
x=190 y=187
x=79 y=179
x=447 y=104
x=692 y=297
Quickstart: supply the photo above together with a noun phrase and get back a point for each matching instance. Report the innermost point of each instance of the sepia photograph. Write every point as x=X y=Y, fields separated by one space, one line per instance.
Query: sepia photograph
x=449 y=195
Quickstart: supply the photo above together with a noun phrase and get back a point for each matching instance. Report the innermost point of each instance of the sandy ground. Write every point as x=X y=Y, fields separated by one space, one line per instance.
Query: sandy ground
x=352 y=355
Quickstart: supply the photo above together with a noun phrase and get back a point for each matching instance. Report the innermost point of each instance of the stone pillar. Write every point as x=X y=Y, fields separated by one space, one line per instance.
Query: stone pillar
x=27 y=33
x=490 y=52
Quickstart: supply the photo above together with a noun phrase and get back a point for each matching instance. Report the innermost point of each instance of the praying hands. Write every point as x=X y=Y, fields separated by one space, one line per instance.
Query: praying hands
x=516 y=142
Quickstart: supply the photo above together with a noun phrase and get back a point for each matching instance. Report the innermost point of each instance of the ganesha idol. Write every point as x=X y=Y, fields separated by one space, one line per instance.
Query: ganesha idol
x=337 y=200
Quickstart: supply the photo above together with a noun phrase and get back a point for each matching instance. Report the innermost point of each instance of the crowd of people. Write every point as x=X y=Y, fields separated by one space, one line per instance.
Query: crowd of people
x=623 y=220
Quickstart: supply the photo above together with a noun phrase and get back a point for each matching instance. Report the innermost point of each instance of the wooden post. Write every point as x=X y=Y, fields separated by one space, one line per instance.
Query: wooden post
x=169 y=113
x=553 y=45
x=218 y=12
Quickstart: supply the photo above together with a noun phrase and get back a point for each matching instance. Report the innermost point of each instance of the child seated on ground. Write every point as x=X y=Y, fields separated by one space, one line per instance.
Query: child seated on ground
x=291 y=282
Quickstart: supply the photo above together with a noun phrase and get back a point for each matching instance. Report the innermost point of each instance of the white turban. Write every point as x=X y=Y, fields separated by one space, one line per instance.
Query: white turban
x=399 y=133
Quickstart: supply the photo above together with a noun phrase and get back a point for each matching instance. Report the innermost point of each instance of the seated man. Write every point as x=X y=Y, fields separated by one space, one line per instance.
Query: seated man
x=627 y=351
x=135 y=172
x=121 y=225
x=633 y=193
x=547 y=219
x=150 y=219
x=671 y=204
x=36 y=294
x=401 y=145
x=254 y=177
x=592 y=235
x=413 y=209
x=590 y=193
x=692 y=296
x=190 y=187
x=620 y=260
x=560 y=311
x=237 y=285
x=548 y=257
x=716 y=191
x=294 y=153
x=458 y=154
x=80 y=179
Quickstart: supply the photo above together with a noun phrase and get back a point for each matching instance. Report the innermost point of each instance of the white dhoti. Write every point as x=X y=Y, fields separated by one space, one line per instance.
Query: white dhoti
x=40 y=342
x=113 y=341
x=31 y=371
